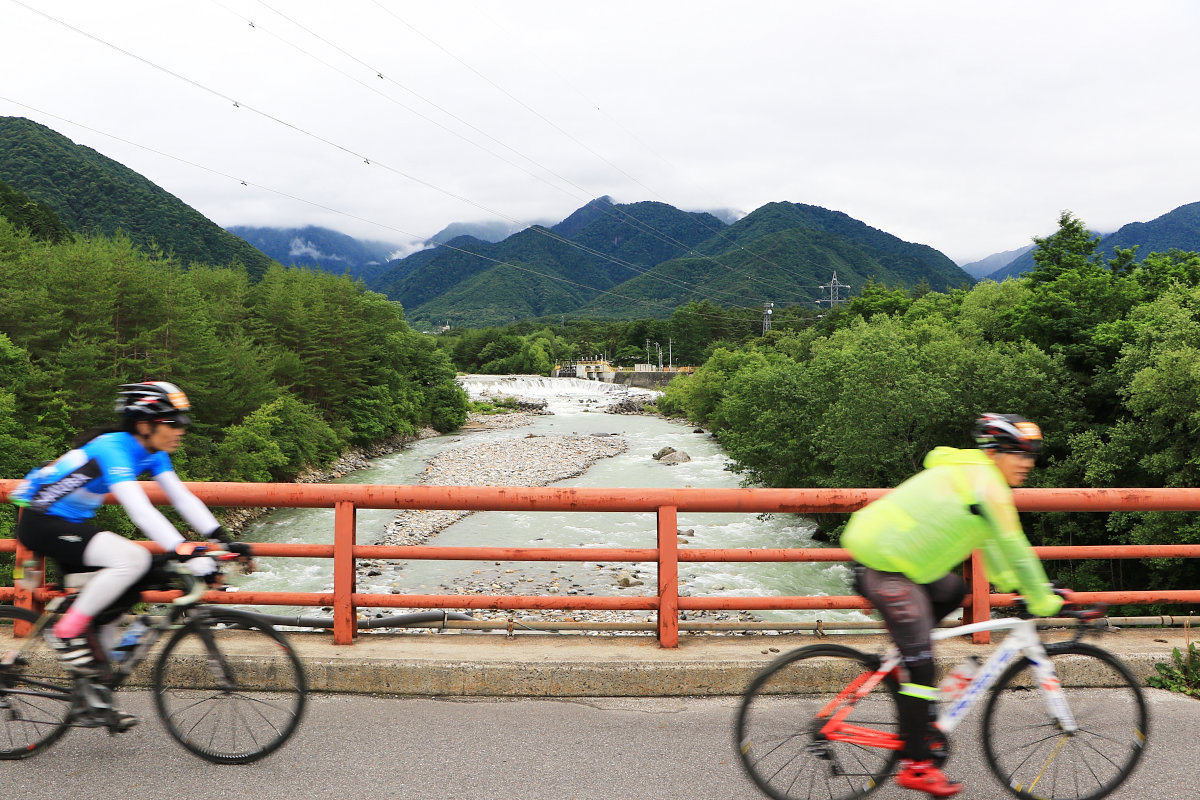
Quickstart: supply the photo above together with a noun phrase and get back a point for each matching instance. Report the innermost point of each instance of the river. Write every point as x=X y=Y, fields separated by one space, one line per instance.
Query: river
x=575 y=408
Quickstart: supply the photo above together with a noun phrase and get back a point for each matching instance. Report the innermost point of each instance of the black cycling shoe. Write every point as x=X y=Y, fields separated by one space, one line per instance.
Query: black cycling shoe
x=76 y=653
x=97 y=710
x=122 y=721
x=115 y=721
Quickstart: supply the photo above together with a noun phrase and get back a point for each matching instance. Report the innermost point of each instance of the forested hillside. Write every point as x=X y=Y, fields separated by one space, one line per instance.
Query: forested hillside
x=1176 y=230
x=1103 y=352
x=618 y=261
x=312 y=246
x=93 y=194
x=283 y=372
x=537 y=271
x=27 y=214
x=784 y=252
x=910 y=263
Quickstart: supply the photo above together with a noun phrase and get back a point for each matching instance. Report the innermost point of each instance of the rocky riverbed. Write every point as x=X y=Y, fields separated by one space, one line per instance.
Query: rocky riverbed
x=519 y=461
x=522 y=461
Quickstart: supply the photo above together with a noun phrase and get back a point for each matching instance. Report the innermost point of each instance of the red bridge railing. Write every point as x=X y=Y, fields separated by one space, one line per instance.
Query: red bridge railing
x=345 y=499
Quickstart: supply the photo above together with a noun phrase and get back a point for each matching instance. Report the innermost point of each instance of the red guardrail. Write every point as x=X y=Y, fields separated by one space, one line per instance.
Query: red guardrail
x=345 y=499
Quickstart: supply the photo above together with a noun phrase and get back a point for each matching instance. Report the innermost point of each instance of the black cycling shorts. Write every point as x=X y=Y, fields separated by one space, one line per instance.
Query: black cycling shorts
x=57 y=538
x=909 y=609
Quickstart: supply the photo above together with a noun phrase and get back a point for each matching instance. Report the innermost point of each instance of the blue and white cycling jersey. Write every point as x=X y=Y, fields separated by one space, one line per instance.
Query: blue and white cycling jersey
x=74 y=485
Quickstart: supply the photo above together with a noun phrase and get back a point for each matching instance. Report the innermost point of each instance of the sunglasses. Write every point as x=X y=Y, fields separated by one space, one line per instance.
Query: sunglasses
x=171 y=423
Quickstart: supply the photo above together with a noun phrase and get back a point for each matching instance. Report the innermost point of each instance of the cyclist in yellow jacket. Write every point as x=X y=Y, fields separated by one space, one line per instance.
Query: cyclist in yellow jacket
x=908 y=542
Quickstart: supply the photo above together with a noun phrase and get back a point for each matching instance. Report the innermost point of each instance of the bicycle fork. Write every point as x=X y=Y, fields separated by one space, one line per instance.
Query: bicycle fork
x=1050 y=686
x=217 y=665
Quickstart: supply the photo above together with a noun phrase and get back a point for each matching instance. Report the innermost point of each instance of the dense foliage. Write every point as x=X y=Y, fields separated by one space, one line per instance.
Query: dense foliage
x=1178 y=229
x=1103 y=352
x=282 y=373
x=94 y=195
x=686 y=339
x=38 y=219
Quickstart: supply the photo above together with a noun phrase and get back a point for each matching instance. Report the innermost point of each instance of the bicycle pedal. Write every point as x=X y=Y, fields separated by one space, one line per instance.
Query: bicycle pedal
x=90 y=718
x=820 y=750
x=122 y=722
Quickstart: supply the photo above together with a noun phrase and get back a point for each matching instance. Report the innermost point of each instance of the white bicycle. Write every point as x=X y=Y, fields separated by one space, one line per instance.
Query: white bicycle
x=1062 y=720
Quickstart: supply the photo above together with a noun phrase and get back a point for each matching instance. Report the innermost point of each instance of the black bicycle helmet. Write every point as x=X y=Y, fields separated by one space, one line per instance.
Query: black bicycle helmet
x=153 y=401
x=1008 y=433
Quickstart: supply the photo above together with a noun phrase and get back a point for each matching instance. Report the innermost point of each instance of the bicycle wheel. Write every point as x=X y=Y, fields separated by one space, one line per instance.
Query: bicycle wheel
x=35 y=690
x=1027 y=749
x=778 y=732
x=229 y=687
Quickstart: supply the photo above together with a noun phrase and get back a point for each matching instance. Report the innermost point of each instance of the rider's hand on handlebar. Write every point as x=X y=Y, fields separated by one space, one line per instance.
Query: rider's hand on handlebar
x=219 y=536
x=1072 y=608
x=191 y=549
x=245 y=558
x=1067 y=595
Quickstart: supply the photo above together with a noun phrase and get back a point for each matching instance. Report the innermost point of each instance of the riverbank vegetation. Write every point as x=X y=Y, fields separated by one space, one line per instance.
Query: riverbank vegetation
x=282 y=373
x=1104 y=353
x=687 y=338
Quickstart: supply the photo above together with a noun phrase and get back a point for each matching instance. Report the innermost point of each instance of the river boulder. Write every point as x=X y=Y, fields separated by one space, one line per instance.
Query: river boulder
x=625 y=406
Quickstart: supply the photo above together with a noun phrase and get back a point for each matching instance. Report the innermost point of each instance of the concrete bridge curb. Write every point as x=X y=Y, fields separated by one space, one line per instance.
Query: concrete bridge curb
x=550 y=665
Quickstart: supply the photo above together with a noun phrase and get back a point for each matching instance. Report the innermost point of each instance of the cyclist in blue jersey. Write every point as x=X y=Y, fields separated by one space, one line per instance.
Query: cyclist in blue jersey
x=59 y=503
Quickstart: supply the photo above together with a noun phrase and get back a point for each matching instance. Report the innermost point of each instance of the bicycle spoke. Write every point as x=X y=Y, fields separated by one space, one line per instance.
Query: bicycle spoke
x=213 y=708
x=1062 y=739
x=35 y=690
x=783 y=713
x=1031 y=754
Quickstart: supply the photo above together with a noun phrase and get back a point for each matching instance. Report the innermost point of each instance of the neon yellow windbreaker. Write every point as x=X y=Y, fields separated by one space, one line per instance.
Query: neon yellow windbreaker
x=925 y=527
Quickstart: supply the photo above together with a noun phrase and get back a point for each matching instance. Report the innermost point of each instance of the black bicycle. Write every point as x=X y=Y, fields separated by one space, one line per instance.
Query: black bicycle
x=227 y=684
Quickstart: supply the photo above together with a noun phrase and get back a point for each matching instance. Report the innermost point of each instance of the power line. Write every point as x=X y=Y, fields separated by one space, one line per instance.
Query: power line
x=365 y=158
x=251 y=184
x=582 y=196
x=369 y=161
x=541 y=116
x=389 y=98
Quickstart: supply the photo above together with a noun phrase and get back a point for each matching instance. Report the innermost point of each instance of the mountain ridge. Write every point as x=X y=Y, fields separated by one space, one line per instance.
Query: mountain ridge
x=645 y=258
x=92 y=193
x=1178 y=229
x=314 y=246
x=995 y=262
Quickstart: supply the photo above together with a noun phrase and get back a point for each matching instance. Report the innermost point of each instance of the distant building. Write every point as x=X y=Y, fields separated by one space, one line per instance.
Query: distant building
x=645 y=375
x=593 y=370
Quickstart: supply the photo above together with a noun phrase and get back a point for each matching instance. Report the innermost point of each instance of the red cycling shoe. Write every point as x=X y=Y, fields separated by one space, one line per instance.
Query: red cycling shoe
x=923 y=776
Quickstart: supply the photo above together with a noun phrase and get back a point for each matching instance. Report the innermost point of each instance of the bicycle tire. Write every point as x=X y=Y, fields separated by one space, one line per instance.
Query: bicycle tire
x=36 y=690
x=227 y=704
x=1024 y=744
x=777 y=734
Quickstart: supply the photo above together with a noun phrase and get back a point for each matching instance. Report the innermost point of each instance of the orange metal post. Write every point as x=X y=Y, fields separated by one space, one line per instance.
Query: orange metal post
x=668 y=577
x=979 y=609
x=345 y=617
x=24 y=598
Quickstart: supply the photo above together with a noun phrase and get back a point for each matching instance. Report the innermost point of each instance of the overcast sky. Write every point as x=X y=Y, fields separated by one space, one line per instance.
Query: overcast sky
x=967 y=126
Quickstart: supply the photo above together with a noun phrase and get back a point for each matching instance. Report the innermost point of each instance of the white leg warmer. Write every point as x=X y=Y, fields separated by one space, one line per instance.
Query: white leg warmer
x=121 y=563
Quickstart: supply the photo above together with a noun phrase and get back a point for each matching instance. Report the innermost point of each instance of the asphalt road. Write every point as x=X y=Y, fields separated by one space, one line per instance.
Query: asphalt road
x=355 y=746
